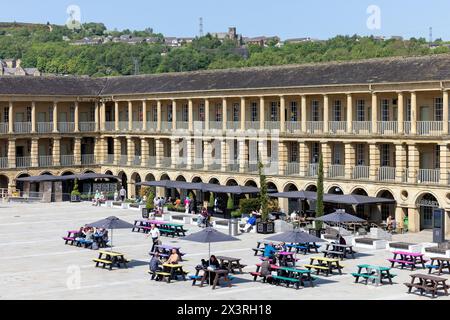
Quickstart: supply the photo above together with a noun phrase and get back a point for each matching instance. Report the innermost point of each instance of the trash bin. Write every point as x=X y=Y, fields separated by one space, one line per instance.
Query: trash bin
x=233 y=227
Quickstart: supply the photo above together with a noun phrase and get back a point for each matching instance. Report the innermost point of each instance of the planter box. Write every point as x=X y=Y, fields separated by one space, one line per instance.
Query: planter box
x=265 y=227
x=403 y=246
x=145 y=213
x=369 y=243
x=109 y=204
x=124 y=205
x=431 y=250
x=75 y=198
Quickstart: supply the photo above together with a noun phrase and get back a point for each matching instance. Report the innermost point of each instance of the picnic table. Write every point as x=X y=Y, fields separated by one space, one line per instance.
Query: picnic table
x=164 y=250
x=231 y=264
x=336 y=250
x=427 y=283
x=438 y=264
x=257 y=273
x=70 y=238
x=110 y=259
x=260 y=249
x=375 y=273
x=165 y=228
x=212 y=276
x=285 y=257
x=171 y=272
x=411 y=259
x=325 y=265
x=307 y=247
x=295 y=276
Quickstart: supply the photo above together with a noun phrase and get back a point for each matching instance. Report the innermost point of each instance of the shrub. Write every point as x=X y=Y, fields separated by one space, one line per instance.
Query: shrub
x=246 y=206
x=230 y=203
x=149 y=204
x=211 y=199
x=236 y=214
x=75 y=191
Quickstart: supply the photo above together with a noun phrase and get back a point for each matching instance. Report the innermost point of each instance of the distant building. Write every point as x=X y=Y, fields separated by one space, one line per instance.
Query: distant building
x=301 y=40
x=261 y=41
x=12 y=67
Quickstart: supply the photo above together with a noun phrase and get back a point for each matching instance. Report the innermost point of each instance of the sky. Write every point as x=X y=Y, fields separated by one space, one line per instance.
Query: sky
x=319 y=19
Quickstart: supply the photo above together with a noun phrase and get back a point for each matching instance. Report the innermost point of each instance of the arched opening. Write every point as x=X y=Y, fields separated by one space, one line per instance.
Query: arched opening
x=271 y=187
x=311 y=187
x=425 y=204
x=109 y=172
x=150 y=177
x=386 y=210
x=181 y=193
x=136 y=178
x=168 y=192
x=20 y=184
x=88 y=171
x=362 y=211
x=292 y=204
x=67 y=186
x=360 y=191
x=251 y=183
x=123 y=177
x=335 y=190
x=214 y=181
x=4 y=181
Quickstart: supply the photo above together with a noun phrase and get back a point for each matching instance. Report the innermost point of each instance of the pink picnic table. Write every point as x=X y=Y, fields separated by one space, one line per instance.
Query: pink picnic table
x=411 y=259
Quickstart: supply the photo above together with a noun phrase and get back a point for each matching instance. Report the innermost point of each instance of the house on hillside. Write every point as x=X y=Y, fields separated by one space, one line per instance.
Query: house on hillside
x=12 y=67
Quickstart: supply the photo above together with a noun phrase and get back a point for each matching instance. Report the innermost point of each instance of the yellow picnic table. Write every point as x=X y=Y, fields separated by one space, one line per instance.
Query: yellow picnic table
x=111 y=259
x=322 y=264
x=171 y=271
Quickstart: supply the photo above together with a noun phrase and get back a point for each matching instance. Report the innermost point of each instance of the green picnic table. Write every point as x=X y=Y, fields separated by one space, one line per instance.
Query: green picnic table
x=375 y=273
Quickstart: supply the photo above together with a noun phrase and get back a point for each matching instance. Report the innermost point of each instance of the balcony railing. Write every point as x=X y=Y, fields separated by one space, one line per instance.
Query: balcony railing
x=360 y=172
x=123 y=160
x=4 y=163
x=152 y=126
x=44 y=127
x=87 y=159
x=271 y=125
x=110 y=126
x=312 y=170
x=199 y=126
x=136 y=125
x=336 y=171
x=4 y=127
x=45 y=161
x=215 y=125
x=429 y=128
x=292 y=168
x=407 y=127
x=182 y=125
x=215 y=166
x=252 y=167
x=314 y=126
x=337 y=126
x=233 y=166
x=22 y=127
x=362 y=127
x=293 y=126
x=198 y=164
x=86 y=126
x=123 y=126
x=66 y=127
x=387 y=127
x=151 y=162
x=233 y=125
x=405 y=175
x=137 y=160
x=252 y=125
x=66 y=159
x=23 y=162
x=166 y=162
x=386 y=174
x=110 y=158
x=428 y=176
x=166 y=126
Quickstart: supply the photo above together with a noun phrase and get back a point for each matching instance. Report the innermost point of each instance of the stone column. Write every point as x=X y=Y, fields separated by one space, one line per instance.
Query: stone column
x=11 y=119
x=262 y=147
x=304 y=150
x=413 y=162
x=33 y=117
x=145 y=152
x=282 y=114
x=326 y=157
x=282 y=156
x=189 y=153
x=77 y=151
x=400 y=161
x=374 y=160
x=262 y=113
x=76 y=117
x=243 y=155
x=159 y=146
x=304 y=113
x=349 y=113
x=207 y=152
x=34 y=153
x=206 y=114
x=374 y=113
x=224 y=113
x=243 y=113
x=224 y=154
x=116 y=115
x=158 y=116
x=413 y=220
x=349 y=159
x=55 y=117
x=97 y=119
x=413 y=113
x=326 y=113
x=144 y=115
x=56 y=150
x=101 y=150
x=117 y=150
x=401 y=112
x=102 y=115
x=175 y=147
x=174 y=115
x=12 y=152
x=445 y=117
x=130 y=116
x=399 y=214
x=444 y=165
x=130 y=151
x=190 y=115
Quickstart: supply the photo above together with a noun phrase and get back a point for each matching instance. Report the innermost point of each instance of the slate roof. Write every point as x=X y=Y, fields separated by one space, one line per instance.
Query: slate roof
x=398 y=69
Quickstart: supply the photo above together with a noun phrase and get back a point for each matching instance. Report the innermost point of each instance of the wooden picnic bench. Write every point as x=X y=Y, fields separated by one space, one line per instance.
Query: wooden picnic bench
x=325 y=265
x=295 y=276
x=258 y=248
x=171 y=272
x=212 y=276
x=411 y=259
x=336 y=250
x=438 y=264
x=231 y=264
x=70 y=238
x=257 y=273
x=427 y=284
x=374 y=273
x=110 y=259
x=303 y=247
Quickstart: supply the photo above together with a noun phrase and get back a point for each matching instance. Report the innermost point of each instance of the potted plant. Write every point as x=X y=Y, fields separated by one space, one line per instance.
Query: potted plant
x=264 y=226
x=149 y=206
x=75 y=195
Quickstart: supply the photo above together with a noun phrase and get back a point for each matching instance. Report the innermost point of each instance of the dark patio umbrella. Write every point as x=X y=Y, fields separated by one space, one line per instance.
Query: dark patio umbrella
x=339 y=216
x=111 y=223
x=161 y=183
x=303 y=195
x=209 y=235
x=235 y=189
x=295 y=236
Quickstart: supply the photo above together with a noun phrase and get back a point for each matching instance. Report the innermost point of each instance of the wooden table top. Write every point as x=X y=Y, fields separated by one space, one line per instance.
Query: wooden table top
x=324 y=259
x=228 y=258
x=440 y=258
x=428 y=277
x=111 y=253
x=172 y=265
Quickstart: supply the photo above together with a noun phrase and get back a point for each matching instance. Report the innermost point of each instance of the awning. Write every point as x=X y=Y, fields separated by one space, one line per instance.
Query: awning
x=83 y=176
x=204 y=187
x=301 y=195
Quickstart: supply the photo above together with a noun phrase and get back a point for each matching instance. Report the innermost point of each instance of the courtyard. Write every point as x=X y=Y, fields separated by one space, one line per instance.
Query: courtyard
x=35 y=263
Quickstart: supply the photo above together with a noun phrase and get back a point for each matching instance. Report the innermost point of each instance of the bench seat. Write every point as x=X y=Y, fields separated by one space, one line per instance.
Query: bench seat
x=364 y=275
x=286 y=279
x=401 y=261
x=102 y=261
x=316 y=267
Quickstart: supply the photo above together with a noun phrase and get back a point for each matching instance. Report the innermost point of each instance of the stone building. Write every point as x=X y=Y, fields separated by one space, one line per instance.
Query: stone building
x=382 y=126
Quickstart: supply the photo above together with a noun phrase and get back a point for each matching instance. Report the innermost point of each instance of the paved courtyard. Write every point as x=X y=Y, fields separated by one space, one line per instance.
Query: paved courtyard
x=35 y=263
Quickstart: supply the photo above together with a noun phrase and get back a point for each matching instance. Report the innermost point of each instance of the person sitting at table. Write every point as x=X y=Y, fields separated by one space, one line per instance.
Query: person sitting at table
x=154 y=265
x=89 y=233
x=250 y=223
x=269 y=252
x=281 y=246
x=389 y=223
x=294 y=216
x=265 y=270
x=213 y=262
x=174 y=257
x=96 y=199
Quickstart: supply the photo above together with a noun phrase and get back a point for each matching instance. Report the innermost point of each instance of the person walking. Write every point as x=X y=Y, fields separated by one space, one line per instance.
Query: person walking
x=155 y=234
x=123 y=194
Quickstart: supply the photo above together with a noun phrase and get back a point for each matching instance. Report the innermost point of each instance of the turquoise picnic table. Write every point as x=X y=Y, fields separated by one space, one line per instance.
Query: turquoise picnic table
x=295 y=276
x=374 y=273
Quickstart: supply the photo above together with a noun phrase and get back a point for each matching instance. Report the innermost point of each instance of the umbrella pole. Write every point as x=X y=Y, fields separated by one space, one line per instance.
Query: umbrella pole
x=112 y=230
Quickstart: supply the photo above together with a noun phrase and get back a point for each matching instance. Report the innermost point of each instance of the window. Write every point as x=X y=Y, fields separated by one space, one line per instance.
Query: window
x=360 y=154
x=385 y=151
x=236 y=150
x=337 y=107
x=236 y=112
x=218 y=112
x=201 y=112
x=408 y=110
x=274 y=111
x=315 y=152
x=294 y=153
x=271 y=148
x=385 y=110
x=293 y=115
x=50 y=114
x=6 y=114
x=28 y=114
x=72 y=114
x=337 y=155
x=437 y=158
x=438 y=108
x=254 y=111
x=360 y=110
x=185 y=113
x=315 y=110
x=169 y=113
x=92 y=115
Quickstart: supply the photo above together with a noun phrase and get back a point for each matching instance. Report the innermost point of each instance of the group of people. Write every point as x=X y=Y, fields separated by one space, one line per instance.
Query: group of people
x=99 y=198
x=204 y=218
x=391 y=224
x=297 y=217
x=98 y=236
x=156 y=262
x=251 y=221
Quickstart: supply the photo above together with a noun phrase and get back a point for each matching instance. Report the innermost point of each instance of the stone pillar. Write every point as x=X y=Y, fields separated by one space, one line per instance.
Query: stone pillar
x=374 y=113
x=243 y=113
x=445 y=117
x=76 y=117
x=326 y=113
x=399 y=215
x=282 y=156
x=159 y=152
x=304 y=113
x=77 y=151
x=444 y=165
x=282 y=114
x=224 y=154
x=401 y=112
x=46 y=189
x=413 y=162
x=144 y=115
x=117 y=150
x=349 y=159
x=130 y=116
x=175 y=147
x=243 y=155
x=145 y=151
x=33 y=117
x=11 y=119
x=326 y=156
x=413 y=220
x=34 y=153
x=55 y=117
x=101 y=150
x=56 y=150
x=304 y=157
x=413 y=113
x=207 y=152
x=447 y=223
x=262 y=147
x=158 y=116
x=400 y=161
x=190 y=152
x=206 y=114
x=349 y=113
x=130 y=151
x=12 y=152
x=102 y=117
x=174 y=115
x=116 y=115
x=131 y=194
x=262 y=113
x=374 y=160
x=190 y=115
x=58 y=191
x=224 y=113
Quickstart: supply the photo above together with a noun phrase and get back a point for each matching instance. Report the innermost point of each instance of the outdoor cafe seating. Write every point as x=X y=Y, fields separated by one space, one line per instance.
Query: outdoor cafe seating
x=165 y=228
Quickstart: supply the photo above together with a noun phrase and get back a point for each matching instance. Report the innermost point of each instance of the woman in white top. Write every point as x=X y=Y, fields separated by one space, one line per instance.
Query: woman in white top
x=154 y=233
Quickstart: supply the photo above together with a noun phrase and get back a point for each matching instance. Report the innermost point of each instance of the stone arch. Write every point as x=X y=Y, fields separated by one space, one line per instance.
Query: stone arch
x=335 y=189
x=108 y=172
x=164 y=176
x=425 y=203
x=386 y=209
x=214 y=180
x=150 y=177
x=250 y=183
x=359 y=190
x=311 y=187
x=20 y=184
x=231 y=182
x=289 y=205
x=271 y=186
x=197 y=179
x=124 y=178
x=135 y=178
x=88 y=171
x=46 y=173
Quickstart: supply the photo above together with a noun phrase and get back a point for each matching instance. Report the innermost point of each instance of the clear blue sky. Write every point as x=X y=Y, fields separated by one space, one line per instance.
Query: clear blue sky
x=285 y=18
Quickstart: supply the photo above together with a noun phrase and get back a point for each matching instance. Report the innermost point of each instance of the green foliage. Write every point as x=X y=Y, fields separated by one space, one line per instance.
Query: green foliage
x=319 y=204
x=264 y=198
x=75 y=191
x=236 y=214
x=149 y=203
x=246 y=206
x=230 y=203
x=211 y=199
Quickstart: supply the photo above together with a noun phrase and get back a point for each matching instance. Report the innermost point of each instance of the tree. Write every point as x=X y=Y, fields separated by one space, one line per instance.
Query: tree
x=230 y=202
x=150 y=205
x=319 y=203
x=264 y=198
x=75 y=191
x=211 y=199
